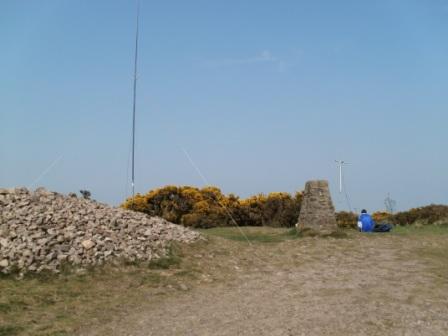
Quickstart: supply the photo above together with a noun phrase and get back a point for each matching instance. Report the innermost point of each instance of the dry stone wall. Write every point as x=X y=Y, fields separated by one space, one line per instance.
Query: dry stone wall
x=317 y=212
x=42 y=230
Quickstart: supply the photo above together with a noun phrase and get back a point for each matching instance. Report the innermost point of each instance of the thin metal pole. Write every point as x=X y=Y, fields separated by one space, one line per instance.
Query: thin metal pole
x=134 y=102
x=340 y=163
x=342 y=186
x=340 y=177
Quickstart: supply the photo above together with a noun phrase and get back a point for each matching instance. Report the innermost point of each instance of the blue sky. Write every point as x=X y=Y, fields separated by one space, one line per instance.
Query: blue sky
x=263 y=95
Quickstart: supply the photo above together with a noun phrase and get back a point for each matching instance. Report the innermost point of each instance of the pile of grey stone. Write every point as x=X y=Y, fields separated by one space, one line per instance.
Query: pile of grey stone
x=43 y=230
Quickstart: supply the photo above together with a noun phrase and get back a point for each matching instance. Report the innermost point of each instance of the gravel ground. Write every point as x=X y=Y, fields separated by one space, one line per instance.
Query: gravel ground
x=363 y=285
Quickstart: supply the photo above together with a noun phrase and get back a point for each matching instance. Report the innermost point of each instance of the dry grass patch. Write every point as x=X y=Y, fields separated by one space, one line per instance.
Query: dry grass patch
x=253 y=234
x=48 y=304
x=71 y=303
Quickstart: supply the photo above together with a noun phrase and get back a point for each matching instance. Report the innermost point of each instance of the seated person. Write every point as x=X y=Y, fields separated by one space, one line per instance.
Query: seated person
x=367 y=224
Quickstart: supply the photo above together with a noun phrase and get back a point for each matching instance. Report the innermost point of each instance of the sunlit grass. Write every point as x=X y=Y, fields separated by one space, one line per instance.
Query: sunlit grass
x=50 y=304
x=441 y=229
x=253 y=234
x=261 y=234
x=58 y=305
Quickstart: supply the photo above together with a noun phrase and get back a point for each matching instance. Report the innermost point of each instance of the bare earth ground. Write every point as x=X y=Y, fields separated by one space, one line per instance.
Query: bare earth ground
x=377 y=284
x=361 y=285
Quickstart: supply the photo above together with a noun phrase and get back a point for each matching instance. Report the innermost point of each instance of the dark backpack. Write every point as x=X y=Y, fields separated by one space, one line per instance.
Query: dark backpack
x=382 y=228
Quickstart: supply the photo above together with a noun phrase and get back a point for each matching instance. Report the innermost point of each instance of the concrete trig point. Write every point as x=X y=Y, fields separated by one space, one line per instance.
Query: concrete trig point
x=317 y=211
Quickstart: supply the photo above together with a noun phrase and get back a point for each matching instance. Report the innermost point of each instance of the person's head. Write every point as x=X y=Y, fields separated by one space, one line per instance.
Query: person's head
x=363 y=211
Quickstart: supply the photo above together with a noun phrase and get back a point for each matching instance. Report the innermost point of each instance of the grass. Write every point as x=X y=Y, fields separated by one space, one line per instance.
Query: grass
x=253 y=234
x=434 y=254
x=421 y=230
x=266 y=234
x=59 y=304
x=172 y=258
x=9 y=330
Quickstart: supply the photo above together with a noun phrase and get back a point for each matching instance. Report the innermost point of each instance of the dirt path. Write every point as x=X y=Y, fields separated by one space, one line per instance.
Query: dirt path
x=382 y=285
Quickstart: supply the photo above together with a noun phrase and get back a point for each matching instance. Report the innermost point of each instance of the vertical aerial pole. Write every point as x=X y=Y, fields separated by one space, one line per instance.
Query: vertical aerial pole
x=340 y=164
x=340 y=176
x=134 y=102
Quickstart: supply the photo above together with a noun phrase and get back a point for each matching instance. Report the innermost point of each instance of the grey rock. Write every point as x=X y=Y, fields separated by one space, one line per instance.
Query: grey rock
x=4 y=242
x=62 y=257
x=183 y=287
x=88 y=244
x=4 y=191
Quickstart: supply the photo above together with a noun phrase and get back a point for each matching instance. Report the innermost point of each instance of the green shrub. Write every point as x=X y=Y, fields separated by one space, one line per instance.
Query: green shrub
x=429 y=214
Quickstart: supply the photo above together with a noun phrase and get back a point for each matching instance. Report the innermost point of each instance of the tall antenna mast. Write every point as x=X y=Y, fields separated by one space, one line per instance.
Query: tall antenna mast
x=134 y=102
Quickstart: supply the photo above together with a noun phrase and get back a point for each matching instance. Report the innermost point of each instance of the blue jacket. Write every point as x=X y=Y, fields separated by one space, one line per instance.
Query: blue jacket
x=366 y=223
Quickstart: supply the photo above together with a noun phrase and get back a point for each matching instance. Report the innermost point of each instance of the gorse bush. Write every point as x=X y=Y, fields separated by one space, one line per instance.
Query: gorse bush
x=346 y=219
x=381 y=216
x=277 y=209
x=427 y=215
x=430 y=214
x=209 y=207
